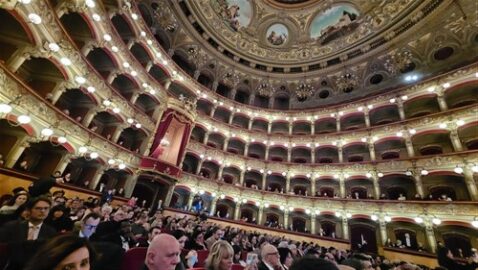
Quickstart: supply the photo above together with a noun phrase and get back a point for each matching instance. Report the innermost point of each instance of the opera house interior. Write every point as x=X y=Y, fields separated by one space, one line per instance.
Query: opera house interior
x=349 y=124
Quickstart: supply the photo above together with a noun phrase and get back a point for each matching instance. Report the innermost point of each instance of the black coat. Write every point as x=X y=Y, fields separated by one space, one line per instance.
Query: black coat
x=17 y=231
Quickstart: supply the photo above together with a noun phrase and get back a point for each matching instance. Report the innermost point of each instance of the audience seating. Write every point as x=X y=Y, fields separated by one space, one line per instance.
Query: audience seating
x=202 y=256
x=3 y=255
x=237 y=267
x=134 y=258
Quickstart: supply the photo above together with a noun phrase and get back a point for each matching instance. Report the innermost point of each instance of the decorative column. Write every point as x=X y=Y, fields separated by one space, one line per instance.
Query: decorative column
x=312 y=128
x=231 y=117
x=367 y=118
x=149 y=65
x=441 y=102
x=376 y=186
x=312 y=186
x=213 y=110
x=214 y=86
x=89 y=117
x=190 y=201
x=197 y=73
x=212 y=211
x=241 y=178
x=383 y=231
x=237 y=211
x=287 y=183
x=264 y=181
x=342 y=185
x=119 y=129
x=167 y=84
x=169 y=195
x=57 y=92
x=16 y=152
x=432 y=242
x=18 y=58
x=345 y=228
x=96 y=178
x=64 y=161
x=286 y=218
x=289 y=154
x=226 y=142
x=219 y=173
x=371 y=149
x=312 y=222
x=409 y=145
x=419 y=183
x=249 y=124
x=199 y=167
x=206 y=138
x=341 y=154
x=269 y=127
x=291 y=127
x=312 y=155
x=266 y=155
x=134 y=97
x=246 y=149
x=470 y=182
x=455 y=140
x=131 y=183
x=337 y=120
x=260 y=214
x=401 y=111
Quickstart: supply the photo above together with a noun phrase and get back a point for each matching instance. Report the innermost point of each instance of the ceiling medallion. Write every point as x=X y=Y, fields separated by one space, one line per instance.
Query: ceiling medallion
x=398 y=61
x=304 y=90
x=265 y=89
x=347 y=82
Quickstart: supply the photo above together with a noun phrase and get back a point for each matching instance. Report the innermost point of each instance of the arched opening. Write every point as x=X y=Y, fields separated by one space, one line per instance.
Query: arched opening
x=146 y=104
x=326 y=154
x=384 y=115
x=421 y=106
x=301 y=155
x=432 y=143
x=352 y=121
x=13 y=35
x=190 y=163
x=122 y=26
x=363 y=236
x=141 y=54
x=356 y=152
x=33 y=160
x=257 y=150
x=102 y=61
x=113 y=179
x=78 y=28
x=462 y=95
x=125 y=86
x=41 y=75
x=82 y=171
x=326 y=125
x=301 y=128
x=104 y=124
x=181 y=59
x=10 y=136
x=132 y=138
x=158 y=74
x=393 y=185
x=76 y=103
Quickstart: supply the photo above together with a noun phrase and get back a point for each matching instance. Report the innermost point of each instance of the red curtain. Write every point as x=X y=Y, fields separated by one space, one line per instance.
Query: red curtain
x=184 y=142
x=160 y=132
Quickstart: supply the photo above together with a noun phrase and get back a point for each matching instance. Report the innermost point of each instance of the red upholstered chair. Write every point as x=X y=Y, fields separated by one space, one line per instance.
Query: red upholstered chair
x=198 y=268
x=237 y=267
x=134 y=258
x=202 y=256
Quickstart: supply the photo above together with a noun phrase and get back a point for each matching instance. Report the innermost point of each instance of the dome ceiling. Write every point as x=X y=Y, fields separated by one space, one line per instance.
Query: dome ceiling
x=308 y=54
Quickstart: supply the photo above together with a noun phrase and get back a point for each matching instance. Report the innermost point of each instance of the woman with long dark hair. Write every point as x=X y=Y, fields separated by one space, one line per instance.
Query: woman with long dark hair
x=64 y=252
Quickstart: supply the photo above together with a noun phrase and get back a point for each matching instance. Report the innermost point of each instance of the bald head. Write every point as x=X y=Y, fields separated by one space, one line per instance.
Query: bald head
x=270 y=255
x=163 y=253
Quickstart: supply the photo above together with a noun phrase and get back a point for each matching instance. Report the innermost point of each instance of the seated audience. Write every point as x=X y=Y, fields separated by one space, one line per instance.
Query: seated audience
x=63 y=252
x=220 y=256
x=269 y=258
x=312 y=263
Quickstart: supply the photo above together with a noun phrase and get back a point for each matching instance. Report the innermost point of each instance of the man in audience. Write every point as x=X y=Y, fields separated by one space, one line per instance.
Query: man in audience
x=153 y=232
x=365 y=260
x=89 y=224
x=270 y=259
x=163 y=253
x=217 y=234
x=33 y=229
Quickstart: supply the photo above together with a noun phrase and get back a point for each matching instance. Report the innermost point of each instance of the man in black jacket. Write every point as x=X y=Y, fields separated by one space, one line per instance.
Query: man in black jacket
x=33 y=229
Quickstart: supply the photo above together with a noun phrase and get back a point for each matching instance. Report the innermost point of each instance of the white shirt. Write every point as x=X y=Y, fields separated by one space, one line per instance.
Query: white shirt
x=268 y=266
x=33 y=231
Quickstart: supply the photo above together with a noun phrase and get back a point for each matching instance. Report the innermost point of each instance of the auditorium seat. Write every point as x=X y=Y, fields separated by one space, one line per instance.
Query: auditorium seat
x=134 y=258
x=202 y=256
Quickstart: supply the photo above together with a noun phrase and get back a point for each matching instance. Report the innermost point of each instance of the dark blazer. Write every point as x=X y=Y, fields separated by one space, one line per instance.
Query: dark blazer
x=262 y=266
x=17 y=231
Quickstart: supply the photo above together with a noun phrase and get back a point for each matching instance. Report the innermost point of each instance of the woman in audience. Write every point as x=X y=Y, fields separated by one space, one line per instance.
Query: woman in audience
x=197 y=241
x=63 y=252
x=191 y=257
x=58 y=219
x=220 y=256
x=285 y=257
x=9 y=212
